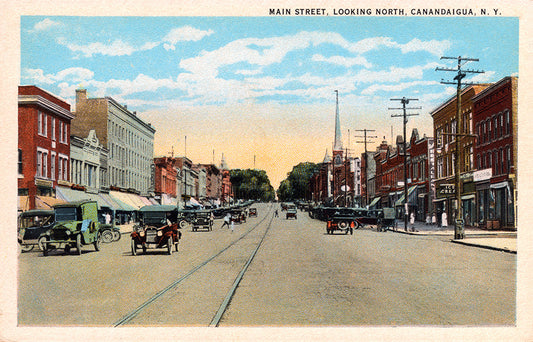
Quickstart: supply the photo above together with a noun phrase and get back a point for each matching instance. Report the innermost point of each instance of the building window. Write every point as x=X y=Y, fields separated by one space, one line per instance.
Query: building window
x=53 y=129
x=53 y=165
x=507 y=122
x=20 y=162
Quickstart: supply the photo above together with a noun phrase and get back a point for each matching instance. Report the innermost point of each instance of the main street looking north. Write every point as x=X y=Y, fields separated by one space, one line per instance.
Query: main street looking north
x=299 y=276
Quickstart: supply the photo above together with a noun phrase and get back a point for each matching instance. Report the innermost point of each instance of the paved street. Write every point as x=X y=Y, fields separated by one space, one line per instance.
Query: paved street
x=300 y=276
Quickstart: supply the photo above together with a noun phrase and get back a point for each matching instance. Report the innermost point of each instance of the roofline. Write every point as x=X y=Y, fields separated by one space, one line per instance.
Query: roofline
x=451 y=99
x=45 y=103
x=130 y=114
x=494 y=86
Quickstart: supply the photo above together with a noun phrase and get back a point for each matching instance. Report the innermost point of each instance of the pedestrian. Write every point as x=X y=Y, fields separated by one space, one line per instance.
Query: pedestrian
x=434 y=219
x=428 y=220
x=107 y=218
x=276 y=213
x=232 y=225
x=444 y=218
x=412 y=221
x=227 y=220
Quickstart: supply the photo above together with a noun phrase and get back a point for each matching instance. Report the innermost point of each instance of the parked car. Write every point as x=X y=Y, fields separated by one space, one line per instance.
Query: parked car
x=202 y=219
x=291 y=213
x=185 y=217
x=343 y=219
x=252 y=212
x=386 y=219
x=76 y=224
x=157 y=229
x=31 y=225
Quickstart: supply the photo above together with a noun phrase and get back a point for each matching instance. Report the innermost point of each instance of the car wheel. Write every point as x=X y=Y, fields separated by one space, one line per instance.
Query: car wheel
x=183 y=224
x=170 y=243
x=98 y=241
x=133 y=247
x=26 y=248
x=78 y=244
x=107 y=236
x=40 y=242
x=116 y=235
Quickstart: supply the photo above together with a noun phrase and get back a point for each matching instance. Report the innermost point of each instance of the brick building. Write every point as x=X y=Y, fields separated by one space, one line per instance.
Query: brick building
x=43 y=144
x=213 y=182
x=165 y=180
x=495 y=123
x=444 y=127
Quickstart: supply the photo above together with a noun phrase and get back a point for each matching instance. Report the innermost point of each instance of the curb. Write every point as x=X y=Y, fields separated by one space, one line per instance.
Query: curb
x=484 y=246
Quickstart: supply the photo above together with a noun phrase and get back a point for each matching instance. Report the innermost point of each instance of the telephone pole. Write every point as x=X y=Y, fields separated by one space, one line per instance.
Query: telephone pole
x=405 y=101
x=459 y=231
x=365 y=136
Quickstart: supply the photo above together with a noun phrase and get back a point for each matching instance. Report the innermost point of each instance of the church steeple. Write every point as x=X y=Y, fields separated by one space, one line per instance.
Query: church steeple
x=337 y=145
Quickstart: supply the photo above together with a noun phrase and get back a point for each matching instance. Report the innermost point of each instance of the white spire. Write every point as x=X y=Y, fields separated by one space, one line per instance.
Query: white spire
x=337 y=146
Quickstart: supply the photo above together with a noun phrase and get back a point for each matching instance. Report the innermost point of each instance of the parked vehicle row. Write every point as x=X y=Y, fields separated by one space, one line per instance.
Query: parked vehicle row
x=77 y=224
x=348 y=219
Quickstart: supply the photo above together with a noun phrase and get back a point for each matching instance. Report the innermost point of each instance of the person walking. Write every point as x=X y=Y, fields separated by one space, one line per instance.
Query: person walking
x=227 y=220
x=276 y=213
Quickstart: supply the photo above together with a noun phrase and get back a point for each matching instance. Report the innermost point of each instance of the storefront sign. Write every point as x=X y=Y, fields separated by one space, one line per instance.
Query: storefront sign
x=44 y=183
x=445 y=189
x=482 y=175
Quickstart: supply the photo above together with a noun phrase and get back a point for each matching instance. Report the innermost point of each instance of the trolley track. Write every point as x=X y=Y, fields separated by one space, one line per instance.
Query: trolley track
x=175 y=284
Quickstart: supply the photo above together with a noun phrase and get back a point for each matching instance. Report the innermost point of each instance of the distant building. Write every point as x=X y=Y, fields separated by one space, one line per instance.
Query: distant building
x=129 y=140
x=213 y=183
x=43 y=144
x=166 y=180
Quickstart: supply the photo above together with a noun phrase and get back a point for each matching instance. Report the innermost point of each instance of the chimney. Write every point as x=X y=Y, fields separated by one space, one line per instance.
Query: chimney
x=81 y=95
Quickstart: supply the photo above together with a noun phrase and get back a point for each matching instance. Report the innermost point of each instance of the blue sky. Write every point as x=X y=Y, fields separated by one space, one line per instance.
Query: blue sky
x=248 y=86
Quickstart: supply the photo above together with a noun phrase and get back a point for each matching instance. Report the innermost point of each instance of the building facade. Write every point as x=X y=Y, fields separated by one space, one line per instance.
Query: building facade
x=43 y=143
x=445 y=130
x=495 y=123
x=165 y=180
x=88 y=163
x=129 y=140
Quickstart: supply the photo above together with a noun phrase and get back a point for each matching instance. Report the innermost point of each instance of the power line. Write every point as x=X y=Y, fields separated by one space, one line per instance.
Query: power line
x=365 y=136
x=405 y=101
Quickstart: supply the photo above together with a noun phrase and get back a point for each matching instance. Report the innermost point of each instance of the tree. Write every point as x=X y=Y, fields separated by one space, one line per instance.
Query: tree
x=296 y=185
x=251 y=184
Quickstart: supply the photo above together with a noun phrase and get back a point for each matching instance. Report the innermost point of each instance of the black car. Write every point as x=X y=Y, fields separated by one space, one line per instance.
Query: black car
x=31 y=225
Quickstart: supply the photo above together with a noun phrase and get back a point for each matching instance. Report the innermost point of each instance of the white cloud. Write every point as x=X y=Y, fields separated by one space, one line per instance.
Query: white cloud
x=396 y=87
x=70 y=74
x=434 y=47
x=116 y=48
x=184 y=34
x=343 y=61
x=45 y=25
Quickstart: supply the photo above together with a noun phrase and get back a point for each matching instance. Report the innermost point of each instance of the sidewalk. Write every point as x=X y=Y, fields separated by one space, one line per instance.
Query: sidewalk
x=501 y=240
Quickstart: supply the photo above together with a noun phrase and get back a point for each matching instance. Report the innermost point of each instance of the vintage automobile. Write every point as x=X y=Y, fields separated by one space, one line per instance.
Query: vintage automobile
x=109 y=231
x=202 y=219
x=157 y=229
x=291 y=213
x=252 y=212
x=31 y=225
x=238 y=215
x=76 y=224
x=343 y=220
x=386 y=219
x=185 y=217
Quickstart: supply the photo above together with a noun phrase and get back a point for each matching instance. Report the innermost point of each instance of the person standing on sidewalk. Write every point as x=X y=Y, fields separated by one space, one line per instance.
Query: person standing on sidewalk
x=444 y=219
x=412 y=221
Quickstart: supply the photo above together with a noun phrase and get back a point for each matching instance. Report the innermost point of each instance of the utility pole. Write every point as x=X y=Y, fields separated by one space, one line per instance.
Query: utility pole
x=405 y=101
x=365 y=136
x=459 y=232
